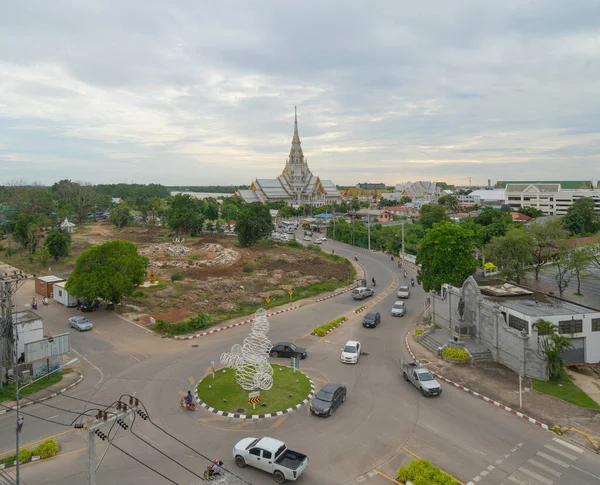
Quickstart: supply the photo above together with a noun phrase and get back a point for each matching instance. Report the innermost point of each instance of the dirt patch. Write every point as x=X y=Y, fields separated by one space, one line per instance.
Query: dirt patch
x=175 y=315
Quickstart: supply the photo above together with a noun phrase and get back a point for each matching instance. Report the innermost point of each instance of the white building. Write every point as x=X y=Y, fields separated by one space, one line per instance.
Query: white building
x=62 y=296
x=486 y=198
x=29 y=328
x=550 y=198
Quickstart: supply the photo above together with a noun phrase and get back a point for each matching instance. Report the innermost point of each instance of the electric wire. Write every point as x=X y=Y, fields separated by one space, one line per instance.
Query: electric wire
x=143 y=464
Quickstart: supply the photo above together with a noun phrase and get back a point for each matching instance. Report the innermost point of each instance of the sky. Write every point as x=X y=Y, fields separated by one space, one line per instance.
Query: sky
x=203 y=93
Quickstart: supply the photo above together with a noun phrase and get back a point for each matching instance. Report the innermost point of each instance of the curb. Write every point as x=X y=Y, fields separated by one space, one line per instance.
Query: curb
x=361 y=310
x=336 y=294
x=14 y=463
x=226 y=414
x=54 y=394
x=481 y=396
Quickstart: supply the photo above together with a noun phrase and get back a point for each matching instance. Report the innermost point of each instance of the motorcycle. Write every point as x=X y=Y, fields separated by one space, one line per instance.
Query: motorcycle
x=191 y=406
x=45 y=301
x=412 y=282
x=374 y=282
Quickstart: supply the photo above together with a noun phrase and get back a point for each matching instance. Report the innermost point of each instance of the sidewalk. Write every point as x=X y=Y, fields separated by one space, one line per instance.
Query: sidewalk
x=501 y=384
x=68 y=381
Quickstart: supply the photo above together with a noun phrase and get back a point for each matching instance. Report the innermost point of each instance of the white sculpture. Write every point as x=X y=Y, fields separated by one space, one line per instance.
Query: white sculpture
x=250 y=360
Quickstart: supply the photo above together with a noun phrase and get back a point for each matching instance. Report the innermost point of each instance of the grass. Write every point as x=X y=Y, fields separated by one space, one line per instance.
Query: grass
x=225 y=387
x=566 y=390
x=7 y=393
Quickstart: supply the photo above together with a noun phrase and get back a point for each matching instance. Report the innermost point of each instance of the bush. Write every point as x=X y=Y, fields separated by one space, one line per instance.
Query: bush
x=248 y=268
x=46 y=449
x=8 y=459
x=459 y=355
x=419 y=331
x=194 y=324
x=24 y=455
x=422 y=472
x=2 y=248
x=176 y=277
x=294 y=244
x=360 y=308
x=137 y=294
x=10 y=251
x=323 y=329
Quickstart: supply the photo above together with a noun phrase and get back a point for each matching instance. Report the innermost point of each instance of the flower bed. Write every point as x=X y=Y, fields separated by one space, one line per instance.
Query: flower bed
x=422 y=472
x=419 y=331
x=46 y=449
x=328 y=327
x=456 y=355
x=360 y=309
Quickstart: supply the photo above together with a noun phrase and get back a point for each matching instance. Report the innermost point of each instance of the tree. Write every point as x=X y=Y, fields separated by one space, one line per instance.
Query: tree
x=511 y=253
x=494 y=224
x=253 y=224
x=120 y=216
x=58 y=243
x=563 y=273
x=545 y=238
x=108 y=271
x=405 y=199
x=102 y=202
x=432 y=214
x=446 y=256
x=530 y=211
x=185 y=214
x=579 y=264
x=581 y=218
x=355 y=204
x=450 y=202
x=212 y=211
x=28 y=231
x=553 y=345
x=77 y=196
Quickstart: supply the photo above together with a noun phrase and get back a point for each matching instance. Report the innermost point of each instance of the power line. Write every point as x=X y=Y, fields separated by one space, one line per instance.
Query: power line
x=143 y=464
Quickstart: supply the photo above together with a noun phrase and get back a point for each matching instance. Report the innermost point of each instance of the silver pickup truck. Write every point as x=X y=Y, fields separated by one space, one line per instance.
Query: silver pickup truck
x=421 y=378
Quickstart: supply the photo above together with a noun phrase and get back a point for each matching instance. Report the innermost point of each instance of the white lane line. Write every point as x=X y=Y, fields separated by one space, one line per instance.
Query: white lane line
x=516 y=480
x=561 y=452
x=552 y=459
x=536 y=476
x=52 y=417
x=568 y=445
x=587 y=473
x=477 y=478
x=484 y=473
x=101 y=374
x=491 y=467
x=547 y=469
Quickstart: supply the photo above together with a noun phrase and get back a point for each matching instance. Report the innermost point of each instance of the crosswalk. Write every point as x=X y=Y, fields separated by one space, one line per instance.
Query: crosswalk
x=546 y=467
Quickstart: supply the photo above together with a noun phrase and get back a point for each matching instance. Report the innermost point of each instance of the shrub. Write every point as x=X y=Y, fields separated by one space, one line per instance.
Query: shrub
x=266 y=243
x=2 y=248
x=137 y=294
x=294 y=244
x=176 y=277
x=194 y=324
x=360 y=309
x=459 y=355
x=8 y=459
x=323 y=329
x=248 y=268
x=422 y=472
x=10 y=251
x=419 y=331
x=24 y=455
x=46 y=449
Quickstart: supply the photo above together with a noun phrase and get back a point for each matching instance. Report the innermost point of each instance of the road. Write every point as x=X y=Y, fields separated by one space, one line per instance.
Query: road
x=382 y=424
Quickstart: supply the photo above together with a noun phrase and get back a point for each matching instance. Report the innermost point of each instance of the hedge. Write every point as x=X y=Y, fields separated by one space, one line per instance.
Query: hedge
x=360 y=308
x=194 y=324
x=422 y=472
x=453 y=353
x=46 y=449
x=419 y=331
x=323 y=329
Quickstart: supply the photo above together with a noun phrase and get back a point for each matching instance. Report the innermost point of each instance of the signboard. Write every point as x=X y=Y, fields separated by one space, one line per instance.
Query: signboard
x=253 y=394
x=47 y=348
x=290 y=292
x=253 y=398
x=295 y=363
x=268 y=300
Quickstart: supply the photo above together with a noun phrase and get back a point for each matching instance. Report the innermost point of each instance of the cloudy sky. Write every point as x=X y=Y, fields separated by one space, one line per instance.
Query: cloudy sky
x=200 y=92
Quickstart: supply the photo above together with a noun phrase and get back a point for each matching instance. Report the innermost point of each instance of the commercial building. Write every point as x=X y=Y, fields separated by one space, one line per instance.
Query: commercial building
x=296 y=185
x=483 y=198
x=551 y=198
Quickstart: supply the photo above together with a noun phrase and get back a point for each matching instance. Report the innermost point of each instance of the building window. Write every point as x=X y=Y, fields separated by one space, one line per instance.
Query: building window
x=570 y=326
x=518 y=323
x=595 y=324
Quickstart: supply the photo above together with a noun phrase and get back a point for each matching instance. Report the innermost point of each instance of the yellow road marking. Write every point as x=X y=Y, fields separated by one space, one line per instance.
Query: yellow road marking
x=386 y=476
x=38 y=441
x=191 y=380
x=96 y=331
x=280 y=421
x=418 y=458
x=182 y=393
x=134 y=357
x=112 y=343
x=241 y=425
x=144 y=355
x=208 y=420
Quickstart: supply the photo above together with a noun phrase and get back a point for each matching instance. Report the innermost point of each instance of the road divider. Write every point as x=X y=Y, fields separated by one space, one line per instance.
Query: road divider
x=328 y=327
x=360 y=309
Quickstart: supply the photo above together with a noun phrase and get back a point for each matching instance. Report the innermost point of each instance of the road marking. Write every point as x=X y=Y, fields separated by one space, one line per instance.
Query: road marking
x=547 y=469
x=134 y=357
x=477 y=478
x=144 y=355
x=96 y=331
x=208 y=420
x=38 y=441
x=242 y=425
x=536 y=476
x=191 y=380
x=95 y=367
x=491 y=467
x=280 y=421
x=516 y=480
x=553 y=460
x=561 y=452
x=587 y=473
x=112 y=343
x=386 y=476
x=484 y=473
x=52 y=417
x=568 y=445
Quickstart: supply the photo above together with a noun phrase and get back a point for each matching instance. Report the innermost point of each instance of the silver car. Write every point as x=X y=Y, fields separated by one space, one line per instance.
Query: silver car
x=403 y=292
x=80 y=323
x=399 y=309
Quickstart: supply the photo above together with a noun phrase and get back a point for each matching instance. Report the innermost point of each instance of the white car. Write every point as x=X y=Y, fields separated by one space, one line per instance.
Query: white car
x=323 y=238
x=307 y=238
x=80 y=323
x=351 y=352
x=318 y=241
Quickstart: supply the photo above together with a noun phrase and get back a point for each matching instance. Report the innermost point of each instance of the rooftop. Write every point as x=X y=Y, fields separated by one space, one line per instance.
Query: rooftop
x=25 y=316
x=50 y=279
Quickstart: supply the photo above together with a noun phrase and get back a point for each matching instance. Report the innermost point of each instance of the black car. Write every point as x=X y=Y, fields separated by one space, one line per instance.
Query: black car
x=90 y=306
x=371 y=320
x=287 y=349
x=328 y=399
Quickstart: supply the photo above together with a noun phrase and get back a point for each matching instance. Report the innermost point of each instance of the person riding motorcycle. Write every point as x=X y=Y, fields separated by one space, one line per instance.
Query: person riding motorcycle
x=412 y=282
x=405 y=274
x=373 y=281
x=189 y=399
x=356 y=257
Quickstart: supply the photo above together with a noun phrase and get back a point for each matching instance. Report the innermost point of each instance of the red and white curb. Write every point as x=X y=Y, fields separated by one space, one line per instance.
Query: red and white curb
x=480 y=396
x=54 y=394
x=336 y=294
x=210 y=332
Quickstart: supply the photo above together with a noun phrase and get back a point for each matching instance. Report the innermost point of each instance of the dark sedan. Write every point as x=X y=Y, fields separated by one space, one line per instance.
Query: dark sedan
x=287 y=349
x=328 y=399
x=371 y=320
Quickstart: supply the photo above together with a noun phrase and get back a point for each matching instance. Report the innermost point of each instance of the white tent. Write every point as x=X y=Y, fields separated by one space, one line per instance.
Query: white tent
x=67 y=226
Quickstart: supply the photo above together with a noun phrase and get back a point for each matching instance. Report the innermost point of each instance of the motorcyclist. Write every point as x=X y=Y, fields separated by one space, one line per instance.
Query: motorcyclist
x=189 y=399
x=405 y=274
x=356 y=257
x=412 y=282
x=373 y=281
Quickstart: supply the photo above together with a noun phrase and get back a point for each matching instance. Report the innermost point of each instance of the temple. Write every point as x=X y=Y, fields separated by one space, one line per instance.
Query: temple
x=296 y=185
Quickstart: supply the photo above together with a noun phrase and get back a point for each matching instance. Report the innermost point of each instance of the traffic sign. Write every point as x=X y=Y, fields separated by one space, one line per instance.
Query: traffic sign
x=268 y=300
x=253 y=398
x=295 y=363
x=290 y=292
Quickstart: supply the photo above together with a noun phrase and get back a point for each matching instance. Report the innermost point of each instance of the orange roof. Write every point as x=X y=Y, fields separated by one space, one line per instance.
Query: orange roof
x=518 y=217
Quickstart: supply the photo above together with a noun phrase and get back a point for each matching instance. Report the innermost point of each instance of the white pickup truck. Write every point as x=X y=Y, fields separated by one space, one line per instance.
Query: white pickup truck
x=271 y=456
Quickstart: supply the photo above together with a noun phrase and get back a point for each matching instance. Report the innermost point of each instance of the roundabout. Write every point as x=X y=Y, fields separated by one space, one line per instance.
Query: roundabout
x=223 y=396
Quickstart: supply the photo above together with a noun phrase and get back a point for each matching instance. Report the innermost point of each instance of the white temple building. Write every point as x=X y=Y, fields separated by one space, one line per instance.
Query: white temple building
x=296 y=185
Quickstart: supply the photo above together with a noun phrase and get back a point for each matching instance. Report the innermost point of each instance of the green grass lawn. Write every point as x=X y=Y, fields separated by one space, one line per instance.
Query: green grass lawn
x=566 y=390
x=7 y=393
x=224 y=386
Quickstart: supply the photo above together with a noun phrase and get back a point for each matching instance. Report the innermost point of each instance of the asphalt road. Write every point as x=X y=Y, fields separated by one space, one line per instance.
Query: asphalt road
x=382 y=423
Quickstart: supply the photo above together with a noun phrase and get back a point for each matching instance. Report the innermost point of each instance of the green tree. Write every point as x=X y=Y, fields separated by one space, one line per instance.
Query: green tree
x=383 y=203
x=546 y=236
x=28 y=231
x=446 y=256
x=450 y=202
x=432 y=214
x=108 y=271
x=530 y=211
x=405 y=199
x=355 y=204
x=563 y=273
x=120 y=216
x=58 y=243
x=581 y=218
x=579 y=265
x=511 y=254
x=185 y=214
x=253 y=224
x=102 y=202
x=494 y=224
x=553 y=345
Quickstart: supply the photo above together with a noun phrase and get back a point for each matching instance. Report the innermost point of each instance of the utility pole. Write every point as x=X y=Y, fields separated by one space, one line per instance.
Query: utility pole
x=403 y=242
x=369 y=228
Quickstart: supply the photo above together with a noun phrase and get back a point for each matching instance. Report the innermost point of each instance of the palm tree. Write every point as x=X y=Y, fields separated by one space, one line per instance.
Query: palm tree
x=553 y=345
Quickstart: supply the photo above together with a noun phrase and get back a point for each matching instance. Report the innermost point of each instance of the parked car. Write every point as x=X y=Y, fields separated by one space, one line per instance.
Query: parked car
x=351 y=352
x=323 y=238
x=80 y=323
x=403 y=292
x=362 y=292
x=287 y=349
x=318 y=241
x=90 y=306
x=399 y=309
x=271 y=456
x=371 y=319
x=307 y=238
x=328 y=399
x=421 y=378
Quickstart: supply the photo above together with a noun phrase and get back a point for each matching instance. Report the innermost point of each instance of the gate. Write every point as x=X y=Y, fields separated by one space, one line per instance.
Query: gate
x=576 y=354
